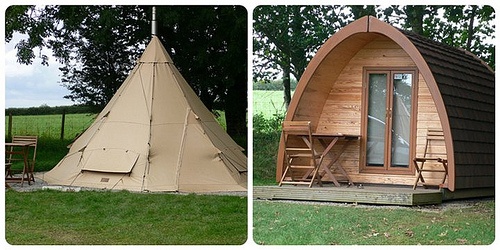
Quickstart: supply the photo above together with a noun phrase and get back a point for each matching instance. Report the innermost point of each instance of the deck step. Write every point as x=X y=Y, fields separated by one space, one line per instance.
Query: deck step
x=370 y=195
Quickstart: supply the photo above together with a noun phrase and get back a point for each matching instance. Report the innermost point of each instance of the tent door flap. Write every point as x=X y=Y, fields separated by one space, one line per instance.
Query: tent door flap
x=109 y=160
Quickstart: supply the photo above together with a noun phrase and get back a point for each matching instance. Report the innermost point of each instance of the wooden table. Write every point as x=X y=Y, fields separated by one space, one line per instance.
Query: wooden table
x=328 y=141
x=23 y=150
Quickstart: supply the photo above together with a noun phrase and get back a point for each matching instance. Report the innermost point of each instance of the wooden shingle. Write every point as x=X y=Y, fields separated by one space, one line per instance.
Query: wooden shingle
x=467 y=87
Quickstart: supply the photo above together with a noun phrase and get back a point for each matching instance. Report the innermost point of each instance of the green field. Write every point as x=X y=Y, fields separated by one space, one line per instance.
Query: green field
x=49 y=126
x=268 y=102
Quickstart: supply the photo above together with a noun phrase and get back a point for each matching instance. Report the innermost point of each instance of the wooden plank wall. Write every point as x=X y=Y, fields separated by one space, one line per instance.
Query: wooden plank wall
x=342 y=110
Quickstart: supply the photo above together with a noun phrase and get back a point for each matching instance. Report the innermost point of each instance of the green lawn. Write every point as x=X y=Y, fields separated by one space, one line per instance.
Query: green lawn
x=97 y=218
x=278 y=223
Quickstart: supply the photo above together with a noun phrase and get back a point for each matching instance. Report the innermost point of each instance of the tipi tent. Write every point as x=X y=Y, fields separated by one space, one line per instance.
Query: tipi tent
x=154 y=135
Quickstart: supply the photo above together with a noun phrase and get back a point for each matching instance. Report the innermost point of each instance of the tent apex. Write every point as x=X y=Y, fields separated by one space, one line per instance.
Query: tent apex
x=155 y=52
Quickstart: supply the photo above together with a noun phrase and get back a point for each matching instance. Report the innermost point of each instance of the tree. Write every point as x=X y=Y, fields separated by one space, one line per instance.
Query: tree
x=359 y=11
x=468 y=27
x=219 y=35
x=471 y=28
x=98 y=46
x=285 y=38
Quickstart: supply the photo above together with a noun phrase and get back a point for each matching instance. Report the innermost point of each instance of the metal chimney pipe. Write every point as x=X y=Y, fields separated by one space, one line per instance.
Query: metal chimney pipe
x=153 y=22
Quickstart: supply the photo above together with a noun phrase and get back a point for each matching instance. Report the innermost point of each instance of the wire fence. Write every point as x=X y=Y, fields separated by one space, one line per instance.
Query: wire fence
x=62 y=126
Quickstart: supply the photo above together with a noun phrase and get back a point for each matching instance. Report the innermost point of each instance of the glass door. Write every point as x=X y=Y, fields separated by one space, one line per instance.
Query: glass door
x=401 y=119
x=377 y=102
x=388 y=108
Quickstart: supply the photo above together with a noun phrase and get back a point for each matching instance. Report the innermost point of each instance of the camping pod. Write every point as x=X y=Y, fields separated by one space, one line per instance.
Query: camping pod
x=391 y=87
x=155 y=134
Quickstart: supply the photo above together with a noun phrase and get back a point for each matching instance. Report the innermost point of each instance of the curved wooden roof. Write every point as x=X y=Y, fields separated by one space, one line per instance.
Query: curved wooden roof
x=461 y=85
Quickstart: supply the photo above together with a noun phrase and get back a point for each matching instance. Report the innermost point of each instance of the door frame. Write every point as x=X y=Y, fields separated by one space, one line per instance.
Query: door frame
x=387 y=169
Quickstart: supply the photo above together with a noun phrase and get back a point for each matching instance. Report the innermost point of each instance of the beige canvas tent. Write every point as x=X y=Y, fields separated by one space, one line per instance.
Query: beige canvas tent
x=154 y=135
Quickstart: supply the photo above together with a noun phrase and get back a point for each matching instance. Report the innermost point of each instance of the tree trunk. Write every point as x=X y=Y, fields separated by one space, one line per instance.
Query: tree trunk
x=470 y=30
x=287 y=96
x=236 y=110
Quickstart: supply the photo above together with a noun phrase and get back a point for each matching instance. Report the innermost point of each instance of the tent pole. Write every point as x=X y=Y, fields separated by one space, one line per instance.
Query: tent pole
x=153 y=22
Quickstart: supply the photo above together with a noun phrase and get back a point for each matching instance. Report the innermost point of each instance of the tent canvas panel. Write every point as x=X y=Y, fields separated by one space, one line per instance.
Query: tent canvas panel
x=82 y=141
x=155 y=53
x=164 y=157
x=127 y=136
x=133 y=105
x=169 y=104
x=65 y=172
x=202 y=163
x=190 y=96
x=226 y=145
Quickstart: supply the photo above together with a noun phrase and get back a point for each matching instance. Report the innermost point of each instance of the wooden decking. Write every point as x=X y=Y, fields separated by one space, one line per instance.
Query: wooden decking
x=389 y=195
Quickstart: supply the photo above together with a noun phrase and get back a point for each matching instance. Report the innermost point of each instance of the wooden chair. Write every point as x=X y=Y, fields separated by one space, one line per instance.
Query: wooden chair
x=31 y=162
x=8 y=169
x=434 y=152
x=302 y=162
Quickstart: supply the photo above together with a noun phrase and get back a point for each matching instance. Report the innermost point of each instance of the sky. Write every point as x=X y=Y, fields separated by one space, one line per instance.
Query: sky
x=32 y=85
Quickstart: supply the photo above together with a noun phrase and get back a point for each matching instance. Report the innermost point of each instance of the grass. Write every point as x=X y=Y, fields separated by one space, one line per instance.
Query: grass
x=268 y=102
x=277 y=223
x=98 y=218
x=49 y=126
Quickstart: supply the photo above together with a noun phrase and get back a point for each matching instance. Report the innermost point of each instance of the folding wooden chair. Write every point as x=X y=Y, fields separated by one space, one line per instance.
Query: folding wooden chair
x=8 y=169
x=31 y=162
x=435 y=155
x=302 y=162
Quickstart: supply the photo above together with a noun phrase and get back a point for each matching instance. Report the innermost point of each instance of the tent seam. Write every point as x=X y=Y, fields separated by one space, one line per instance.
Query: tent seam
x=181 y=150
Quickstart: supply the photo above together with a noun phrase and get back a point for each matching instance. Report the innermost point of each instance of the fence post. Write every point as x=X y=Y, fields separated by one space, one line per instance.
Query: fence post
x=62 y=124
x=9 y=127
